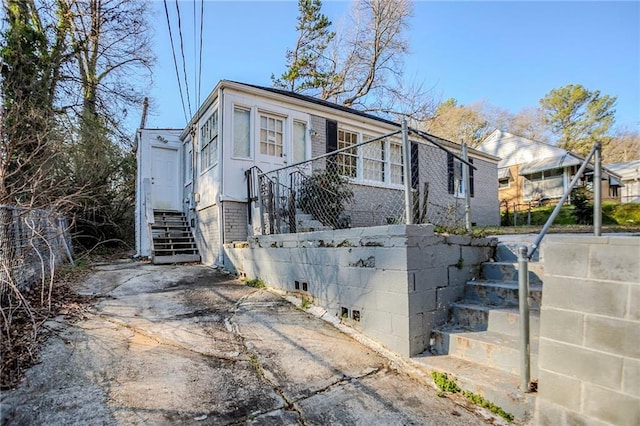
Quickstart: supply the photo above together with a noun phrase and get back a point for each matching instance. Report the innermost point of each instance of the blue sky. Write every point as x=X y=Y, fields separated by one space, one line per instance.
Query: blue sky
x=508 y=53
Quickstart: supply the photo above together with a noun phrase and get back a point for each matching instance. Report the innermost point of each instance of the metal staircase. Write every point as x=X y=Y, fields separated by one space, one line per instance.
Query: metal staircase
x=479 y=346
x=173 y=240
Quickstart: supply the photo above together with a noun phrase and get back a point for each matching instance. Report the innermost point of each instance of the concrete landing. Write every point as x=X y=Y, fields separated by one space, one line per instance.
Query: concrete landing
x=190 y=345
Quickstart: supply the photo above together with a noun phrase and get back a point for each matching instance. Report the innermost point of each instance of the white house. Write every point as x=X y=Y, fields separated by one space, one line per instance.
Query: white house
x=630 y=177
x=193 y=185
x=531 y=171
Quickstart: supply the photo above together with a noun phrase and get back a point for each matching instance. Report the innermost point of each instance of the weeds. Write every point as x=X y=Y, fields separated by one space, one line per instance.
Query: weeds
x=306 y=303
x=255 y=283
x=449 y=385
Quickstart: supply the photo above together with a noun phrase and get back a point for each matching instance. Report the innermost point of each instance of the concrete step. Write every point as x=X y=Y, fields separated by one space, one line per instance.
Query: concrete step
x=486 y=348
x=500 y=294
x=494 y=385
x=508 y=271
x=507 y=251
x=174 y=258
x=163 y=233
x=311 y=225
x=477 y=317
x=301 y=217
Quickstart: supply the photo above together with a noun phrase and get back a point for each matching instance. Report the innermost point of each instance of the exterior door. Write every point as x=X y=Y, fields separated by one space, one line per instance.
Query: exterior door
x=271 y=149
x=165 y=178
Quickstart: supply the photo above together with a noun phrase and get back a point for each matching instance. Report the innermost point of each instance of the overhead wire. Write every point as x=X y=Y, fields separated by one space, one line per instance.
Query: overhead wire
x=200 y=54
x=175 y=61
x=184 y=62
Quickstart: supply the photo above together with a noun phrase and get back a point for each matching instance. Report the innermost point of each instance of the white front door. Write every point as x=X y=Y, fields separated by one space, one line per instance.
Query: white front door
x=271 y=149
x=165 y=178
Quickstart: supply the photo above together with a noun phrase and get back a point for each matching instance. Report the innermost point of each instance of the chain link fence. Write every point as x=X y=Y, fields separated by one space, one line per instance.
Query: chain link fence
x=364 y=184
x=32 y=242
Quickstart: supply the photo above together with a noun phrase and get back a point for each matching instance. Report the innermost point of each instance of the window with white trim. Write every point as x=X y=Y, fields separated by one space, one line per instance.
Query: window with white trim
x=209 y=142
x=347 y=160
x=395 y=163
x=543 y=184
x=373 y=160
x=187 y=151
x=455 y=176
x=241 y=132
x=299 y=147
x=271 y=135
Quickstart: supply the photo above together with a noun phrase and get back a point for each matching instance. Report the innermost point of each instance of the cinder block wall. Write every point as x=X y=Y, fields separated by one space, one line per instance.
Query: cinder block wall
x=590 y=332
x=394 y=283
x=235 y=221
x=207 y=234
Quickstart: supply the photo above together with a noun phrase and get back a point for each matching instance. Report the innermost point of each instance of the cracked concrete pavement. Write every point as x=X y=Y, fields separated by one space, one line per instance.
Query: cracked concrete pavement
x=191 y=345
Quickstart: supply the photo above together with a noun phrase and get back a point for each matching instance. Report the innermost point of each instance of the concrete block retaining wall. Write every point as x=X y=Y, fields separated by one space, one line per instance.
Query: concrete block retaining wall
x=590 y=332
x=394 y=283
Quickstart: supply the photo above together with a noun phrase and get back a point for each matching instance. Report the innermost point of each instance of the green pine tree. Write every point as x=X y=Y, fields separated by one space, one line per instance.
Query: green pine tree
x=578 y=116
x=306 y=68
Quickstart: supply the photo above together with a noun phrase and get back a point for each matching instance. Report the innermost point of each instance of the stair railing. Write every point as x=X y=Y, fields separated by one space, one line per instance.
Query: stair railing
x=525 y=254
x=148 y=211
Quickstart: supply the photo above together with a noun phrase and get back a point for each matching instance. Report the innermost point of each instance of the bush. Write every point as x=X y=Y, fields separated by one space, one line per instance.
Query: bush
x=623 y=214
x=323 y=195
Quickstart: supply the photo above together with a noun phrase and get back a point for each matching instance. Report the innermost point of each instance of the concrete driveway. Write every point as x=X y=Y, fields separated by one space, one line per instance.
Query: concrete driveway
x=191 y=345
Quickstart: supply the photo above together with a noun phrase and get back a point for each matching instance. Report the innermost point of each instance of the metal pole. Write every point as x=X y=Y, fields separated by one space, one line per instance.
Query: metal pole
x=523 y=298
x=406 y=157
x=467 y=189
x=597 y=191
x=556 y=210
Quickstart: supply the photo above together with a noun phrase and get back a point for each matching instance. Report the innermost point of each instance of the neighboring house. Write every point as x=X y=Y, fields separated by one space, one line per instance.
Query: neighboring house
x=532 y=172
x=630 y=177
x=201 y=170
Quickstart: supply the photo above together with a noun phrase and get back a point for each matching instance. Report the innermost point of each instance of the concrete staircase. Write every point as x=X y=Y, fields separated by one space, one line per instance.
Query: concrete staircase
x=307 y=223
x=480 y=344
x=173 y=240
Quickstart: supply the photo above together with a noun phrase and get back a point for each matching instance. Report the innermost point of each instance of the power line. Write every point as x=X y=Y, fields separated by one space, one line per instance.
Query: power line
x=175 y=62
x=184 y=62
x=200 y=54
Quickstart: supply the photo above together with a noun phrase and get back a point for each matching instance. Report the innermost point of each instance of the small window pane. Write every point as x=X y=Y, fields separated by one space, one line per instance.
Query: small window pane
x=241 y=129
x=299 y=141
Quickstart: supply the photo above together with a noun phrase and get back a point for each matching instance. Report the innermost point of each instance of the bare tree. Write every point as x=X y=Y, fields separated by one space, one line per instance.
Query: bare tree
x=529 y=123
x=623 y=146
x=459 y=123
x=368 y=59
x=112 y=48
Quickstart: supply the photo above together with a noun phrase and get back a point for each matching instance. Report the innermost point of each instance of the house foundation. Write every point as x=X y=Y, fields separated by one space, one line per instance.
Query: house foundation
x=393 y=283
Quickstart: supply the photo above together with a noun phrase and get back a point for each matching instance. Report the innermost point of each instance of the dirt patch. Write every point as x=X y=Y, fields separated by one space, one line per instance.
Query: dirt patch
x=24 y=315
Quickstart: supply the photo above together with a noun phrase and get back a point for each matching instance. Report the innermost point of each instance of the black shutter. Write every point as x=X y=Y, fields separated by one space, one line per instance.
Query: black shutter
x=471 y=190
x=415 y=166
x=332 y=145
x=332 y=135
x=450 y=174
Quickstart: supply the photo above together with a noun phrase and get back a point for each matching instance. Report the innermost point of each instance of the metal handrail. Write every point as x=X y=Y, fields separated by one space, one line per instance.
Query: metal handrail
x=525 y=254
x=148 y=211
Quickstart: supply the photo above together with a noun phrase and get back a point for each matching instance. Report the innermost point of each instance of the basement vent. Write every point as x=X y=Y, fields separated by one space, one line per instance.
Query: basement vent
x=355 y=315
x=296 y=285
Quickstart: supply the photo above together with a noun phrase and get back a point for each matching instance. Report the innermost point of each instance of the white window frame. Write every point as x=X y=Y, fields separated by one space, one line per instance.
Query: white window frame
x=187 y=158
x=284 y=130
x=209 y=142
x=378 y=161
x=305 y=141
x=395 y=164
x=507 y=186
x=249 y=110
x=545 y=175
x=388 y=164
